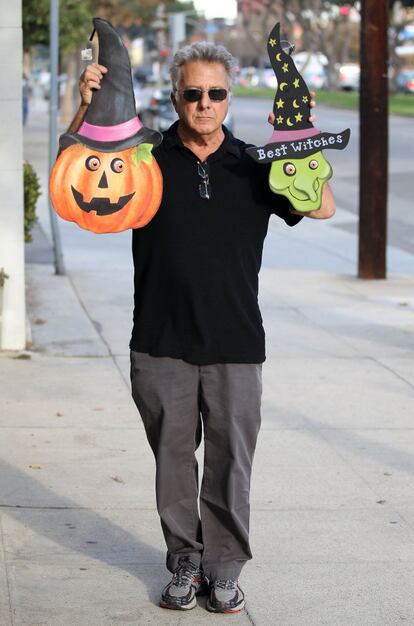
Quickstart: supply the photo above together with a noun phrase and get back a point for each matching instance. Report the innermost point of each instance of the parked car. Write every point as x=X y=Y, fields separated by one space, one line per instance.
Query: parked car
x=160 y=112
x=312 y=67
x=405 y=81
x=315 y=77
x=248 y=77
x=349 y=76
x=267 y=78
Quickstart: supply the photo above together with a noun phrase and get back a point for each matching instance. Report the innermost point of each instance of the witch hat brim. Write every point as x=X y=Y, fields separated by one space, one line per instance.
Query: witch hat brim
x=294 y=136
x=111 y=122
x=144 y=135
x=287 y=146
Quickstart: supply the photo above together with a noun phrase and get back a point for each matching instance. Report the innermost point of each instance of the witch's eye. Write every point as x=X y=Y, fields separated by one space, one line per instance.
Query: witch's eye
x=92 y=163
x=313 y=164
x=289 y=169
x=117 y=165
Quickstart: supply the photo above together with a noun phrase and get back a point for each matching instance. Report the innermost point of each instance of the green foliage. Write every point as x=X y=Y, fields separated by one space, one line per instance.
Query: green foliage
x=31 y=193
x=405 y=3
x=75 y=18
x=74 y=23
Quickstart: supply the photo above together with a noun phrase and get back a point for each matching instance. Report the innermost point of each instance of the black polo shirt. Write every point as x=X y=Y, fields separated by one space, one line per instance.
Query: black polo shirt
x=197 y=261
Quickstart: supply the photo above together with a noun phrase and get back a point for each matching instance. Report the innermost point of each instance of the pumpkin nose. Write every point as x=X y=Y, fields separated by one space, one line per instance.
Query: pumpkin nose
x=103 y=183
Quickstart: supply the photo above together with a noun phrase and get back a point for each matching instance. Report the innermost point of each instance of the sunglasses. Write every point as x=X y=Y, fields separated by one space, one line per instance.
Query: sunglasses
x=204 y=188
x=194 y=95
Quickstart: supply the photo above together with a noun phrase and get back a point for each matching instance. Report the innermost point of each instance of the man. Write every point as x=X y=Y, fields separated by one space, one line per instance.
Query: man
x=197 y=344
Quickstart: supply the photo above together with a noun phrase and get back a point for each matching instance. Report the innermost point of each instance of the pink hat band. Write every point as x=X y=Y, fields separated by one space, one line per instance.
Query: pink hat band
x=291 y=135
x=118 y=132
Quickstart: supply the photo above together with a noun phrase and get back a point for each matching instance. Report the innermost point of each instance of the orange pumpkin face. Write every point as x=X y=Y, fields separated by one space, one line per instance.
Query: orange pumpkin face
x=106 y=192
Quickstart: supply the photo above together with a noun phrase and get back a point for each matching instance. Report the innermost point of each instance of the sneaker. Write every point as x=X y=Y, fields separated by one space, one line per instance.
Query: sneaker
x=187 y=582
x=225 y=597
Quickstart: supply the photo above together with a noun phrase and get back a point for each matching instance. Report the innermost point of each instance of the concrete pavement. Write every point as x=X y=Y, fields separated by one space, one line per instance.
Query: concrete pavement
x=332 y=494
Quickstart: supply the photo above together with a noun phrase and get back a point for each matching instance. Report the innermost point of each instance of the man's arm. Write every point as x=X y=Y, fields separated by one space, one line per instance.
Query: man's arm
x=90 y=79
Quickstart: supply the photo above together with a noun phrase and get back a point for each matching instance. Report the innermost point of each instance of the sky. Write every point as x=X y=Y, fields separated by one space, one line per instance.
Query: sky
x=217 y=8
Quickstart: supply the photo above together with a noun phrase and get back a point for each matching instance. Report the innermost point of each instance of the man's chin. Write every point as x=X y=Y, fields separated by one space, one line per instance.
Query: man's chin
x=206 y=128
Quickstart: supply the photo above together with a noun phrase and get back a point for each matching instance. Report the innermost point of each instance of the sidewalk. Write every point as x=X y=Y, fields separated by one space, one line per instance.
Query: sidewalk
x=332 y=528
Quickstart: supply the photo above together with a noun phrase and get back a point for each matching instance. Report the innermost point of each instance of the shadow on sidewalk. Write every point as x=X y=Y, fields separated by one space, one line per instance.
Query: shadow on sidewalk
x=77 y=530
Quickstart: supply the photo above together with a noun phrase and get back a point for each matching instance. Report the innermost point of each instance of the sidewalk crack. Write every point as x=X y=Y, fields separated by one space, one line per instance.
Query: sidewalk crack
x=98 y=328
x=6 y=573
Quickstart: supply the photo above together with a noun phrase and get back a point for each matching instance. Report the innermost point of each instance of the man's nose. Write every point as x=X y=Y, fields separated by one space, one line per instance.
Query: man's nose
x=204 y=101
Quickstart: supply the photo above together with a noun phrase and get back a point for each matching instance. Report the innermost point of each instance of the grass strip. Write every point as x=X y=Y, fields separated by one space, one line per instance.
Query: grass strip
x=399 y=103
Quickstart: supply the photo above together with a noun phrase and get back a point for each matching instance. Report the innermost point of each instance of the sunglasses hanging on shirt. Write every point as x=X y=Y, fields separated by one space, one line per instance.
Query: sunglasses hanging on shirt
x=204 y=188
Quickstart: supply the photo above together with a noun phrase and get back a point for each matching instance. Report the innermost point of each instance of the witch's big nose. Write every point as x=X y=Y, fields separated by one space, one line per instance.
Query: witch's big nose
x=305 y=184
x=103 y=183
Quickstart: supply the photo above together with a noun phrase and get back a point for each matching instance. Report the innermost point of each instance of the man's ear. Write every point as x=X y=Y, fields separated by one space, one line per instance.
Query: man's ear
x=173 y=100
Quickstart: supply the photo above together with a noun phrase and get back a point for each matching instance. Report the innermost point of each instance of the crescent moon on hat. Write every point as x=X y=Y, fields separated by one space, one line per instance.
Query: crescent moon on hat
x=278 y=56
x=282 y=86
x=288 y=122
x=295 y=104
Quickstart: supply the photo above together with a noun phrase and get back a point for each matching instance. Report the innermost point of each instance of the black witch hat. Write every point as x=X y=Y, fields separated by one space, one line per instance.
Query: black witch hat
x=294 y=135
x=111 y=122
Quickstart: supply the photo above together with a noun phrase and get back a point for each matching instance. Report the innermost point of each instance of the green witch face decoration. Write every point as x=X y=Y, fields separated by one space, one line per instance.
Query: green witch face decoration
x=301 y=180
x=299 y=170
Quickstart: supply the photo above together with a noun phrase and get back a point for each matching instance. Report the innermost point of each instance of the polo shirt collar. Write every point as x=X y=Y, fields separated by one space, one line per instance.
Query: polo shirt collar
x=229 y=144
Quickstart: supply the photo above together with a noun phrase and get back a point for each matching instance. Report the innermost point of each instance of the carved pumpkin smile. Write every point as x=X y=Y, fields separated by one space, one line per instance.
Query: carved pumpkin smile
x=101 y=206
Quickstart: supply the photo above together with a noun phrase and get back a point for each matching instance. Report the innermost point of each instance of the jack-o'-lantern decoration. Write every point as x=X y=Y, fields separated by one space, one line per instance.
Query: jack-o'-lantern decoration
x=105 y=177
x=299 y=169
x=106 y=191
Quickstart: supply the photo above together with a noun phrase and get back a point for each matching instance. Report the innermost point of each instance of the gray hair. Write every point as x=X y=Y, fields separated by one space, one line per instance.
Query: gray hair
x=201 y=51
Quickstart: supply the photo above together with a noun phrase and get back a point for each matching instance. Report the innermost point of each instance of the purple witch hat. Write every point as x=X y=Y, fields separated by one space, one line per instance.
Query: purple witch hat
x=293 y=135
x=111 y=122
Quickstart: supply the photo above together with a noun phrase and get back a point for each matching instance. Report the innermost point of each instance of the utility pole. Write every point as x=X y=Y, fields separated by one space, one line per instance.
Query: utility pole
x=373 y=166
x=53 y=113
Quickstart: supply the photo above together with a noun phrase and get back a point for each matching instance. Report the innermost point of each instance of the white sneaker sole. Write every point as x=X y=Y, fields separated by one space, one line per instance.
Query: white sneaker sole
x=178 y=607
x=237 y=609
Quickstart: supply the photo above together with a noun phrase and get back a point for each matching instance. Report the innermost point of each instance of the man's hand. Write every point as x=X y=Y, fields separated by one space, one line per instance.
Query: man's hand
x=312 y=118
x=90 y=79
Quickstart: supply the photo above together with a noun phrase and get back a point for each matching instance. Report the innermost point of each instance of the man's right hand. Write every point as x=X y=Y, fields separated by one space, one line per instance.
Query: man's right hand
x=90 y=79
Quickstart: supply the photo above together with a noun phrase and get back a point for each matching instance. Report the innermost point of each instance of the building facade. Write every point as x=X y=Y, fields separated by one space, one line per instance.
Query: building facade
x=12 y=293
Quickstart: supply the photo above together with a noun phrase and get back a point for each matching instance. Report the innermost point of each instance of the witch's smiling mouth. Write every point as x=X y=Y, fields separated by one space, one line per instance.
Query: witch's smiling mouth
x=102 y=206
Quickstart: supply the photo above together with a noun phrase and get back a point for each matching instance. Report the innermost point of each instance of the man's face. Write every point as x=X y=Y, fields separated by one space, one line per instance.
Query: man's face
x=204 y=117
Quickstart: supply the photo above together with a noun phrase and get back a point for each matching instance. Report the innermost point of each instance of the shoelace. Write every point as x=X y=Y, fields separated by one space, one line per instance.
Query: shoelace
x=184 y=574
x=226 y=584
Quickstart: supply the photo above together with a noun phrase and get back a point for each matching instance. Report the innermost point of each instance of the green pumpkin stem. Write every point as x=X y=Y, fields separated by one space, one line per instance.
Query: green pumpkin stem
x=143 y=153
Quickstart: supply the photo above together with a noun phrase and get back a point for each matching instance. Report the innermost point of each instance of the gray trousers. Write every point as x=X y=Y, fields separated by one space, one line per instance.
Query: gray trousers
x=177 y=400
